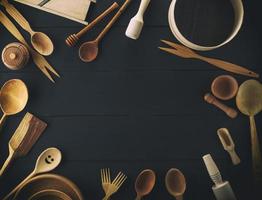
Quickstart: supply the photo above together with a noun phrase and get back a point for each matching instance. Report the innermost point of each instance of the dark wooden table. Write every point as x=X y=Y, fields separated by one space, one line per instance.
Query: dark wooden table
x=136 y=107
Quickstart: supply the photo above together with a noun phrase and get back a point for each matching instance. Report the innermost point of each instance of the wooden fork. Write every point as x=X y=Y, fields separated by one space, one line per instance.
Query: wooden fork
x=106 y=179
x=185 y=52
x=115 y=185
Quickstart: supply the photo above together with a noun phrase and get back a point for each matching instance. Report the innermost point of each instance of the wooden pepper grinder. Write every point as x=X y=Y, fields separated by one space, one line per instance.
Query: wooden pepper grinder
x=15 y=56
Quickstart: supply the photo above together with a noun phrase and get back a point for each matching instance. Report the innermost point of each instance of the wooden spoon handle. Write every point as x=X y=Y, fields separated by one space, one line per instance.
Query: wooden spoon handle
x=138 y=197
x=2 y=121
x=19 y=186
x=113 y=20
x=17 y=16
x=229 y=111
x=98 y=19
x=256 y=154
x=179 y=197
x=229 y=67
x=7 y=163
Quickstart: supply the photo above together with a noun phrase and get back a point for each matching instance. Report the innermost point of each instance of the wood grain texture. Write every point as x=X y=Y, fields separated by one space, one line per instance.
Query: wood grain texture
x=135 y=107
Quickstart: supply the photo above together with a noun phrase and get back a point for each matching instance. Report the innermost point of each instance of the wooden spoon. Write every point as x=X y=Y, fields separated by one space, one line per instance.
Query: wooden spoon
x=46 y=162
x=40 y=41
x=249 y=102
x=13 y=98
x=175 y=183
x=145 y=183
x=89 y=50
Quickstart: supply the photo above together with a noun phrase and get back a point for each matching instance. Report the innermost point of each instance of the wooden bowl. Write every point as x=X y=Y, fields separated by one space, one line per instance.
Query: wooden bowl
x=49 y=182
x=224 y=87
x=50 y=194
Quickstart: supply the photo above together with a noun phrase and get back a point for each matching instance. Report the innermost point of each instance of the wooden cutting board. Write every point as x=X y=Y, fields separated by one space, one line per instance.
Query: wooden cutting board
x=75 y=10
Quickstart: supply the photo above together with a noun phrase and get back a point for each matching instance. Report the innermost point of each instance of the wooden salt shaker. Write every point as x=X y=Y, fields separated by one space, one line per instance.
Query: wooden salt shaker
x=15 y=56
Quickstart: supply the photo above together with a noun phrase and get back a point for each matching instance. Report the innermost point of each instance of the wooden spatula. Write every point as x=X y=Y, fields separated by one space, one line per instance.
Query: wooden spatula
x=25 y=136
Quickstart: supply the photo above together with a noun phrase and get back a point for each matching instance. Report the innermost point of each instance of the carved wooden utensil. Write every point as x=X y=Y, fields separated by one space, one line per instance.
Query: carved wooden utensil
x=228 y=144
x=209 y=98
x=73 y=39
x=25 y=136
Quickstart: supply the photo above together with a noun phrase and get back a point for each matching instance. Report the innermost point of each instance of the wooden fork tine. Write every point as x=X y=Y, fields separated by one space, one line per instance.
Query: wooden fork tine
x=109 y=175
x=176 y=46
x=121 y=180
x=117 y=177
x=102 y=175
x=50 y=68
x=169 y=50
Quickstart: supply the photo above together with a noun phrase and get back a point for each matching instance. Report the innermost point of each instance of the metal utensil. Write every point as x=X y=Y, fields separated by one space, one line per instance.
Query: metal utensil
x=46 y=162
x=115 y=185
x=185 y=52
x=89 y=50
x=249 y=102
x=40 y=41
x=228 y=144
x=175 y=183
x=13 y=98
x=25 y=136
x=38 y=59
x=145 y=183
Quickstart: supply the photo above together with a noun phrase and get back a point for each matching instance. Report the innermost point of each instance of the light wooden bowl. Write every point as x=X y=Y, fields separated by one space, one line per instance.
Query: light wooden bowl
x=49 y=182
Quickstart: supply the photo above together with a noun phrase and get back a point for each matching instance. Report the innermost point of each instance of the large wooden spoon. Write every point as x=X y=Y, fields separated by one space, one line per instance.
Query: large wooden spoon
x=46 y=162
x=145 y=183
x=13 y=98
x=175 y=183
x=249 y=102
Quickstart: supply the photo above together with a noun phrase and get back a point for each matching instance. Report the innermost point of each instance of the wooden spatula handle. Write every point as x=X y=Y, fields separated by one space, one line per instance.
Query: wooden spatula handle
x=212 y=100
x=113 y=20
x=7 y=162
x=234 y=157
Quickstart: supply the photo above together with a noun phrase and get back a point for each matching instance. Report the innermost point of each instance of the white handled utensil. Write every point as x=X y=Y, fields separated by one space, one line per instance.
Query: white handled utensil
x=228 y=144
x=137 y=22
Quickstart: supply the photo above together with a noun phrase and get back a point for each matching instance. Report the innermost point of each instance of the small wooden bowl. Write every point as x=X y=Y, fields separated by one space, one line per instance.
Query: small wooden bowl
x=224 y=87
x=50 y=194
x=49 y=182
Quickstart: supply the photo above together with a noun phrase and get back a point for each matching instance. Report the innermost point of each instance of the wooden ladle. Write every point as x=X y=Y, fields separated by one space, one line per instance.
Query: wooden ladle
x=46 y=162
x=88 y=51
x=13 y=98
x=249 y=102
x=175 y=183
x=145 y=183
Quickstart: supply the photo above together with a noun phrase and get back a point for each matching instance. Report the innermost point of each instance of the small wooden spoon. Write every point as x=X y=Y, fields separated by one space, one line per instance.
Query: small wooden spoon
x=46 y=162
x=13 y=98
x=89 y=50
x=40 y=41
x=175 y=183
x=145 y=183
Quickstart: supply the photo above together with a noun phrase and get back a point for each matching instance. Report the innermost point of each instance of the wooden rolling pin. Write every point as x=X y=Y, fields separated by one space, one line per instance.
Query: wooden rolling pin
x=209 y=98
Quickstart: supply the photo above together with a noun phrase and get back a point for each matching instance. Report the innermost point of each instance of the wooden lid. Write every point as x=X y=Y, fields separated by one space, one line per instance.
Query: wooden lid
x=15 y=56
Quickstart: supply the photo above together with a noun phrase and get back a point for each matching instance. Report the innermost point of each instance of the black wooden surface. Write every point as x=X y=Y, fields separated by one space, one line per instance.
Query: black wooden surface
x=136 y=107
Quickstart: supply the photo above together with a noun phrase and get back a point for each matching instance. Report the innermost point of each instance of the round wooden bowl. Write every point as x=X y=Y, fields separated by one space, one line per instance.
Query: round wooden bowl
x=49 y=182
x=224 y=87
x=50 y=194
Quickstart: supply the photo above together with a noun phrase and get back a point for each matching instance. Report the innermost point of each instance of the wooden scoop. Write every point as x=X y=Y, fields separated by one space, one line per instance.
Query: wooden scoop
x=13 y=98
x=25 y=136
x=89 y=50
x=228 y=144
x=145 y=183
x=209 y=98
x=175 y=183
x=46 y=162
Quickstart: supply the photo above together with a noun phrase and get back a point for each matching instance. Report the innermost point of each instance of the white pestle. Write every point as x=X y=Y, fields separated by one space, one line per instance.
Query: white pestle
x=137 y=22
